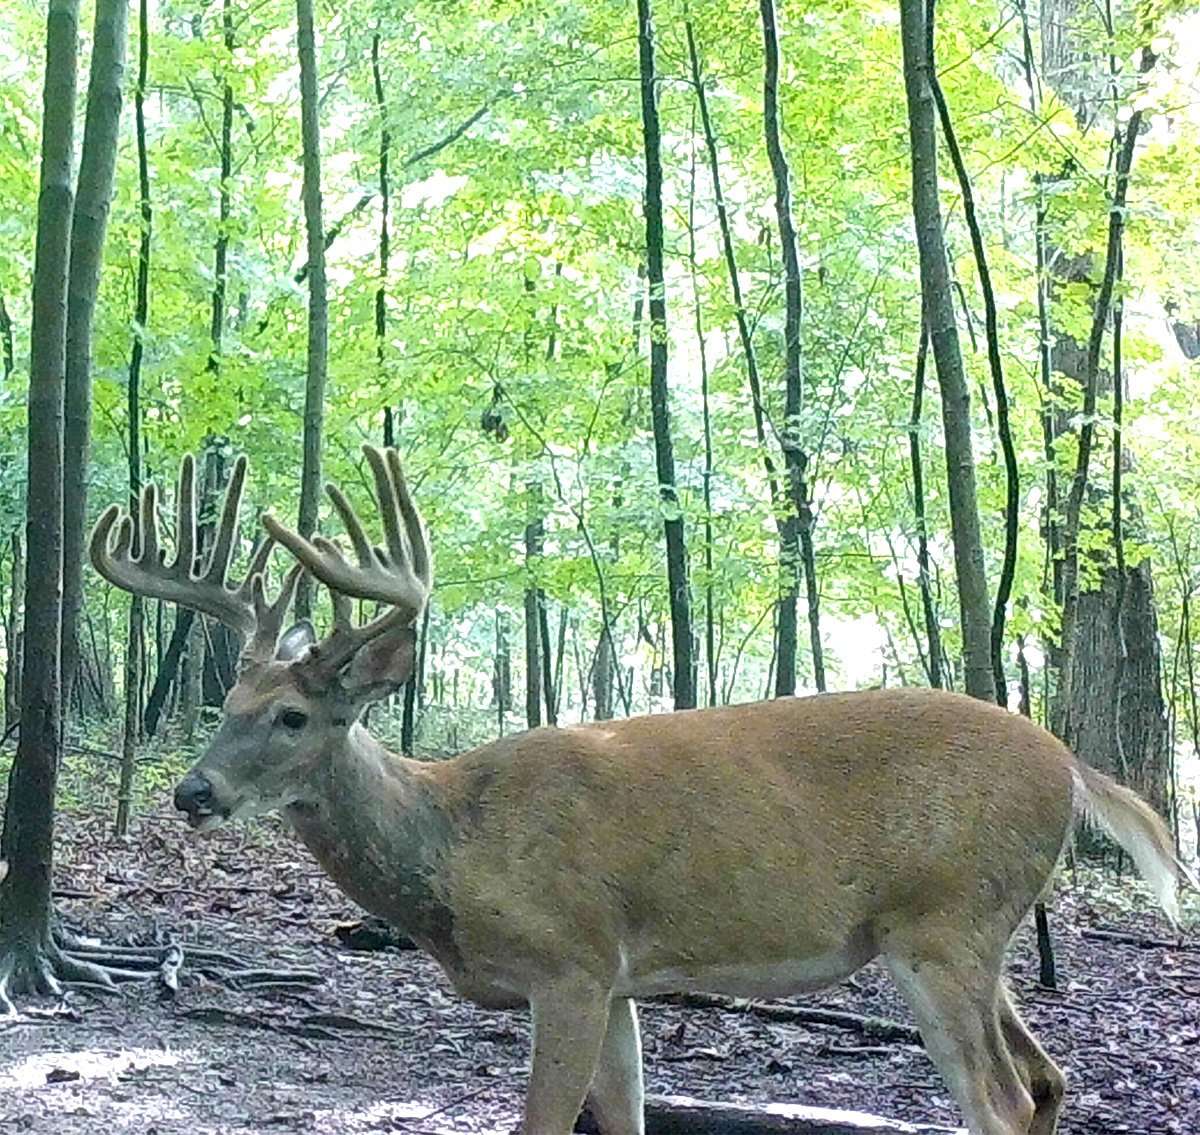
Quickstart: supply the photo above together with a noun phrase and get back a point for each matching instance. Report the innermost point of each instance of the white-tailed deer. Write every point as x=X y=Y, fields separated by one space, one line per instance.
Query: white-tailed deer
x=755 y=850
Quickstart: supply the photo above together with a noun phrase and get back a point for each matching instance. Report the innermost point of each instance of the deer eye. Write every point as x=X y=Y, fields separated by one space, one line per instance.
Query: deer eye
x=292 y=719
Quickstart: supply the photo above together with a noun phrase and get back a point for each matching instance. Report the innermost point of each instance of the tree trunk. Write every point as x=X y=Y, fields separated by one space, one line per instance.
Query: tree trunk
x=7 y=352
x=413 y=691
x=97 y=165
x=502 y=671
x=933 y=634
x=385 y=201
x=318 y=310
x=13 y=634
x=710 y=631
x=28 y=838
x=1012 y=484
x=677 y=567
x=796 y=549
x=1125 y=598
x=938 y=303
x=534 y=532
x=167 y=669
x=603 y=670
x=781 y=506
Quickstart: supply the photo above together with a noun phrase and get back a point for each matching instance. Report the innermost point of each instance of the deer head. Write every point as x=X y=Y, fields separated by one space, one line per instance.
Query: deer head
x=296 y=698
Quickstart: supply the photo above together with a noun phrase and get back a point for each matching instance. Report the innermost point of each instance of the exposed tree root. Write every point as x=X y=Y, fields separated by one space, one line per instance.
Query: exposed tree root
x=63 y=962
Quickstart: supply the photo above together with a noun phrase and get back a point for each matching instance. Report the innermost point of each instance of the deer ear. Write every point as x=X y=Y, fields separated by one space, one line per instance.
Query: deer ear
x=295 y=641
x=383 y=665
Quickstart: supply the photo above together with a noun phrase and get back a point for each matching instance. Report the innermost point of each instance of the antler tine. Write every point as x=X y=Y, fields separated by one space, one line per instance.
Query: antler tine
x=398 y=576
x=145 y=572
x=269 y=615
x=185 y=518
x=418 y=538
x=222 y=551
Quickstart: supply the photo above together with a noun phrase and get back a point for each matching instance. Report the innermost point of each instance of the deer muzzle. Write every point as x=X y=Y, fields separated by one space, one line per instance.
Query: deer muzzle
x=194 y=797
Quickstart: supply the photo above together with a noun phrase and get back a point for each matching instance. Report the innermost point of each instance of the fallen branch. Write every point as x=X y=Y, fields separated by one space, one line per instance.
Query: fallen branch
x=681 y=1115
x=321 y=1026
x=1143 y=942
x=877 y=1028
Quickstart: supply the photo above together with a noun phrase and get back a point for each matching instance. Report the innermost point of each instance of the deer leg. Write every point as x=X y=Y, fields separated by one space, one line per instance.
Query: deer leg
x=1041 y=1075
x=616 y=1096
x=569 y=1025
x=956 y=1003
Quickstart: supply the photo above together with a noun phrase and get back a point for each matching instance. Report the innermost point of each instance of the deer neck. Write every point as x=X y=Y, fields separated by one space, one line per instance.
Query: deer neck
x=374 y=822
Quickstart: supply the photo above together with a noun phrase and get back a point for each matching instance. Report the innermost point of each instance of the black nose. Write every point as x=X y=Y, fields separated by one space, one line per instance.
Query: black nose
x=193 y=793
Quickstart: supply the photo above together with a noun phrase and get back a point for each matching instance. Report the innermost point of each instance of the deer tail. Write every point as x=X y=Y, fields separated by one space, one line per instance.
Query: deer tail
x=1125 y=816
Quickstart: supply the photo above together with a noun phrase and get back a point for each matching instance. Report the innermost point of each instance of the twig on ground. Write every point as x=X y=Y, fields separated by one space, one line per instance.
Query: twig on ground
x=878 y=1028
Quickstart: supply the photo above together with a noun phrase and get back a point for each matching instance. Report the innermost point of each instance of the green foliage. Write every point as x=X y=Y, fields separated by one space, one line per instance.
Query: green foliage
x=510 y=356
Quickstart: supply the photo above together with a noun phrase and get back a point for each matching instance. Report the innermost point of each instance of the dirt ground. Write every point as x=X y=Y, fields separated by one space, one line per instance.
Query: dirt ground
x=382 y=1044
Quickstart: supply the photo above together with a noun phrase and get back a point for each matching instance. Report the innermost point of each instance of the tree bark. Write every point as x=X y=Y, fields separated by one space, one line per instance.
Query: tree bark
x=97 y=166
x=534 y=533
x=1070 y=720
x=710 y=631
x=318 y=310
x=13 y=633
x=1012 y=484
x=1136 y=749
x=216 y=328
x=780 y=505
x=796 y=540
x=134 y=654
x=413 y=692
x=677 y=567
x=167 y=669
x=938 y=303
x=385 y=245
x=7 y=352
x=933 y=634
x=27 y=843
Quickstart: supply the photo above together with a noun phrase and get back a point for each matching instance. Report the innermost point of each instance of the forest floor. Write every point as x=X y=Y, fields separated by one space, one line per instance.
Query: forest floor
x=383 y=1044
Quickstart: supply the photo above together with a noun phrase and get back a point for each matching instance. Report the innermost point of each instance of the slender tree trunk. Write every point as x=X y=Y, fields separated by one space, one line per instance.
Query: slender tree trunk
x=933 y=633
x=797 y=552
x=27 y=843
x=97 y=165
x=168 y=668
x=534 y=533
x=781 y=505
x=385 y=245
x=710 y=633
x=548 y=683
x=1067 y=727
x=216 y=330
x=677 y=567
x=606 y=669
x=7 y=351
x=938 y=303
x=502 y=669
x=318 y=310
x=13 y=633
x=412 y=692
x=1012 y=482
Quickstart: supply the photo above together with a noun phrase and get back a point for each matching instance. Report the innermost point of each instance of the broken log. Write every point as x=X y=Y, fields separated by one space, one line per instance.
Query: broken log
x=682 y=1115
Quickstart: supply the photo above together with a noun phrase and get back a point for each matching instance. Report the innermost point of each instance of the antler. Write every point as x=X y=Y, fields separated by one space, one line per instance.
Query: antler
x=244 y=608
x=400 y=575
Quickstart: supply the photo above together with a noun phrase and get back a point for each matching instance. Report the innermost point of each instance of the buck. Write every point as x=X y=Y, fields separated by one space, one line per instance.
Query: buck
x=756 y=850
